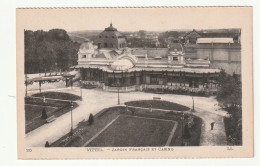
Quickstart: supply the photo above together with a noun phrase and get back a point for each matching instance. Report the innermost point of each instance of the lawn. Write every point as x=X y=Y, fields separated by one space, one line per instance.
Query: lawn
x=33 y=114
x=135 y=132
x=34 y=107
x=35 y=111
x=130 y=129
x=160 y=104
x=58 y=95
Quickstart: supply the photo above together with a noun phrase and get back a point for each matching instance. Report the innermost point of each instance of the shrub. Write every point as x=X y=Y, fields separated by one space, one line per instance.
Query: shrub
x=186 y=134
x=90 y=119
x=133 y=111
x=44 y=114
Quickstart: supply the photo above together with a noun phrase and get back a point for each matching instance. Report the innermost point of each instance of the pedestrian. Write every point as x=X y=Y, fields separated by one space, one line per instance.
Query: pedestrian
x=212 y=125
x=47 y=144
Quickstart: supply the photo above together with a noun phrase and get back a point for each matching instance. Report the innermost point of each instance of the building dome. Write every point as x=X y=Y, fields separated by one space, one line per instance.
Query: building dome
x=110 y=28
x=111 y=38
x=122 y=64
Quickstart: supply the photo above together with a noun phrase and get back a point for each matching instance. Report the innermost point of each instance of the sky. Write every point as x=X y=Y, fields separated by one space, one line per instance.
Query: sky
x=129 y=19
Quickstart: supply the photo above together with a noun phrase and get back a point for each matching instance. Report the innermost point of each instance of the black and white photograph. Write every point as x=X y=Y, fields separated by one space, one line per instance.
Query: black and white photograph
x=132 y=80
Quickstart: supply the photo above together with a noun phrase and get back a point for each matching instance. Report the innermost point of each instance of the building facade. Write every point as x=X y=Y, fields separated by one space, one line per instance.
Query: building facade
x=222 y=48
x=118 y=67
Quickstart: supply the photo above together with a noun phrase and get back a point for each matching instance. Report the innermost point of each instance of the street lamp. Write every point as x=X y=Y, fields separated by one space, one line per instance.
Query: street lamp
x=192 y=90
x=118 y=92
x=80 y=90
x=40 y=85
x=71 y=82
x=71 y=130
x=182 y=128
x=44 y=112
x=44 y=100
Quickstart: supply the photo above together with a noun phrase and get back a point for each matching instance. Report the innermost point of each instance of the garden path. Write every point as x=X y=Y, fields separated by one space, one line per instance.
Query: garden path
x=95 y=100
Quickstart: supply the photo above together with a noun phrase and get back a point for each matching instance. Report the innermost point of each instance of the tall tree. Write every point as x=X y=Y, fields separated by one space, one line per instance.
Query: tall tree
x=48 y=51
x=230 y=98
x=230 y=91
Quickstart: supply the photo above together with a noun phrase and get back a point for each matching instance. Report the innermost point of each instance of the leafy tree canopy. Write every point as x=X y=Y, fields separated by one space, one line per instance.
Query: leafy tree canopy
x=230 y=97
x=230 y=92
x=49 y=51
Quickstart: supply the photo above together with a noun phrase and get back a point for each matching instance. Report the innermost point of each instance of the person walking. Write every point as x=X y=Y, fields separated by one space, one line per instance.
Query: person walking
x=212 y=125
x=47 y=144
x=150 y=109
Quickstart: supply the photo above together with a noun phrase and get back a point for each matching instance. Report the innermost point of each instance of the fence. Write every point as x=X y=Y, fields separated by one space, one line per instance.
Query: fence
x=121 y=89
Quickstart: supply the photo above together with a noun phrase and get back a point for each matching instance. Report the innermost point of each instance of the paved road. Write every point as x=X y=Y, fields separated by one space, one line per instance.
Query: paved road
x=95 y=100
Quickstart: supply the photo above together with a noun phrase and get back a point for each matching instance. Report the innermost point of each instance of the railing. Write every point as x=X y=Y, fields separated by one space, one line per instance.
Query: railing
x=121 y=89
x=92 y=83
x=178 y=87
x=158 y=87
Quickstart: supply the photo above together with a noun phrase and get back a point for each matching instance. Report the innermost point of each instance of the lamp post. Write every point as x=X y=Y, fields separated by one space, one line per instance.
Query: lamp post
x=40 y=84
x=182 y=128
x=71 y=82
x=118 y=92
x=44 y=100
x=71 y=130
x=192 y=99
x=80 y=90
x=44 y=113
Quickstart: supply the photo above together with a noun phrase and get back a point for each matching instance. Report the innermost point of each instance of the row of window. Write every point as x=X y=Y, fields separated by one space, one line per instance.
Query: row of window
x=122 y=45
x=110 y=45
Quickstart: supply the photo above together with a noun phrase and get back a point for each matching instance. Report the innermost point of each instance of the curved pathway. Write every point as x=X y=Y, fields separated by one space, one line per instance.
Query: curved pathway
x=95 y=100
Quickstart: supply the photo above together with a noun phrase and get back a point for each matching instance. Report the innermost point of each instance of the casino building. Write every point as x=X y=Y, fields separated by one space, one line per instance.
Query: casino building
x=112 y=66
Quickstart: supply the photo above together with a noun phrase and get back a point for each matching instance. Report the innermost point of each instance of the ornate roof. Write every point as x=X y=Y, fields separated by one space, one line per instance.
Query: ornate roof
x=111 y=38
x=192 y=34
x=86 y=47
x=111 y=31
x=110 y=28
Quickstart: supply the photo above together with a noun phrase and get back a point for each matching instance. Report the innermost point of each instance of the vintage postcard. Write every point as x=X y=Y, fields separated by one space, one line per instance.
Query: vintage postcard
x=132 y=83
